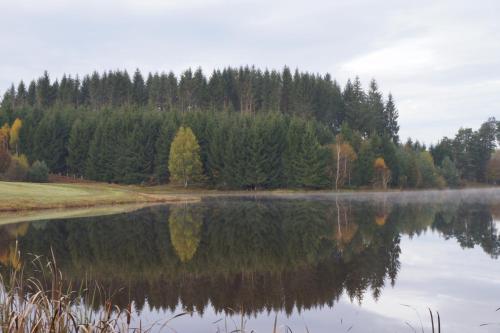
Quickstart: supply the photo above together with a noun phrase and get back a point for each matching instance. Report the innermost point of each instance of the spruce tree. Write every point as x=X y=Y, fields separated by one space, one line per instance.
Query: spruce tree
x=22 y=94
x=43 y=90
x=31 y=97
x=80 y=136
x=286 y=91
x=391 y=116
x=257 y=158
x=139 y=92
x=376 y=114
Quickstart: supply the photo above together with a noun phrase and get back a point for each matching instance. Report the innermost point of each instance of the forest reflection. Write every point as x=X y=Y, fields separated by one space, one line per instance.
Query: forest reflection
x=251 y=255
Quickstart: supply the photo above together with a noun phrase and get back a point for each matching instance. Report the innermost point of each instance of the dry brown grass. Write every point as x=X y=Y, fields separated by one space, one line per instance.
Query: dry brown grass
x=49 y=303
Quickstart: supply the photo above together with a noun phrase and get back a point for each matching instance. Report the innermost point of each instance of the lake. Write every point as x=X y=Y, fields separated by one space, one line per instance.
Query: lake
x=373 y=262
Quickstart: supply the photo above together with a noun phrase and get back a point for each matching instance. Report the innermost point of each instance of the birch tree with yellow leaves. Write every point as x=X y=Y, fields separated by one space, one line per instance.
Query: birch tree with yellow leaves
x=14 y=135
x=184 y=162
x=342 y=157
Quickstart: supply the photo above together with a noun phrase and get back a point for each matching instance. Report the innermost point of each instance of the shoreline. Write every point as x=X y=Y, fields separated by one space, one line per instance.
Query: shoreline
x=16 y=197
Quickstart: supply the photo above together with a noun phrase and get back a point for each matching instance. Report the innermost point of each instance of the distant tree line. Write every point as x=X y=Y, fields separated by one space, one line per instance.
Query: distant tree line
x=255 y=129
x=470 y=151
x=244 y=89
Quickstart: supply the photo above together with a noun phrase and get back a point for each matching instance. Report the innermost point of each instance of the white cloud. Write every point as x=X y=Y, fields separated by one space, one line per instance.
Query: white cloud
x=440 y=59
x=406 y=58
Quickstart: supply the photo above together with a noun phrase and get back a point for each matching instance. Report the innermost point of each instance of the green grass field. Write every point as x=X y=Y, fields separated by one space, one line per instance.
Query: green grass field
x=30 y=196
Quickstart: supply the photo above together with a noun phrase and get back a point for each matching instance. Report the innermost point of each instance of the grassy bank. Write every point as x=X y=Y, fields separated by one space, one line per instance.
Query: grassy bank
x=29 y=196
x=15 y=197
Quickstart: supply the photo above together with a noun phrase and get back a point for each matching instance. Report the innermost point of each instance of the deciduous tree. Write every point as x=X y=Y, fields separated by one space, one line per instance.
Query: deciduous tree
x=382 y=173
x=184 y=162
x=4 y=136
x=340 y=165
x=14 y=134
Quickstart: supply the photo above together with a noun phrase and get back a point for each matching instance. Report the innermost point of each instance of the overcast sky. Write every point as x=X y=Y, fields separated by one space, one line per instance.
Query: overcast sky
x=440 y=59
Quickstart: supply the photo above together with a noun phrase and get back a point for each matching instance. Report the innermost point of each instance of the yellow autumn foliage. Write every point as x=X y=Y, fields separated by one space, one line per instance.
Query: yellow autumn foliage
x=380 y=220
x=185 y=232
x=379 y=163
x=184 y=163
x=4 y=136
x=14 y=133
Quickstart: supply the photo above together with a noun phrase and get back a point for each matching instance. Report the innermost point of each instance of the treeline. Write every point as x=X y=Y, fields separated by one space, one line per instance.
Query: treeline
x=470 y=151
x=320 y=137
x=131 y=146
x=244 y=89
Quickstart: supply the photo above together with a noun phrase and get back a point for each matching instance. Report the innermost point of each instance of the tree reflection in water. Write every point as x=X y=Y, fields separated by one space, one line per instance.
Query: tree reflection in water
x=251 y=254
x=185 y=230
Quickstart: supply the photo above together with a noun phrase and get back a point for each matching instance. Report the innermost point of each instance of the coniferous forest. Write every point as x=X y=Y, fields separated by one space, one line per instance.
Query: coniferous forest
x=255 y=129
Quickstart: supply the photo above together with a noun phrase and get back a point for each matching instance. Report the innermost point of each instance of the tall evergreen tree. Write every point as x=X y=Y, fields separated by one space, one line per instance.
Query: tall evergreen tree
x=22 y=94
x=43 y=90
x=286 y=91
x=51 y=141
x=139 y=92
x=391 y=116
x=375 y=118
x=80 y=136
x=31 y=97
x=304 y=160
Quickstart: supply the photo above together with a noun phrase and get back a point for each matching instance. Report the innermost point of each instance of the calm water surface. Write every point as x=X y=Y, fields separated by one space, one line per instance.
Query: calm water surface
x=347 y=263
